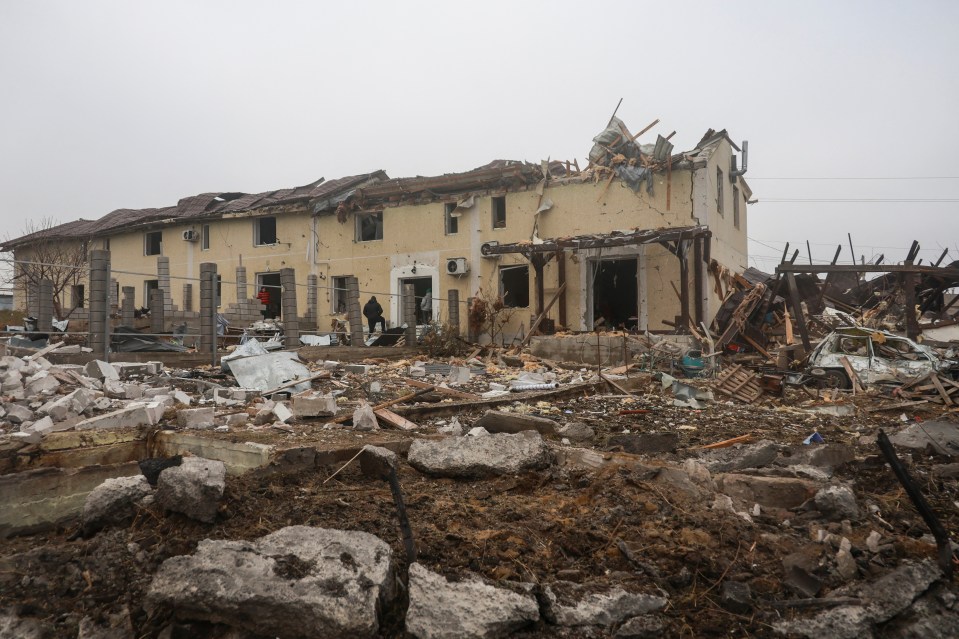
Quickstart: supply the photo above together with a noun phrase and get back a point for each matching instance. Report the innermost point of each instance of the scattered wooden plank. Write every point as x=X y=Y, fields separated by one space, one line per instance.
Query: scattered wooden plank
x=392 y=419
x=615 y=385
x=856 y=384
x=877 y=409
x=405 y=398
x=728 y=442
x=49 y=348
x=539 y=318
x=942 y=391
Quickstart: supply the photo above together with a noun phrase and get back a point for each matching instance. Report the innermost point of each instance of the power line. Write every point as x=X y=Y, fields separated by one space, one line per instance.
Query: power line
x=940 y=177
x=853 y=199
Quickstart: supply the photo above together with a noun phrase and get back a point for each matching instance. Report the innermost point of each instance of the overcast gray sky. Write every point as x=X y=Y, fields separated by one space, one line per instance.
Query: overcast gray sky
x=120 y=104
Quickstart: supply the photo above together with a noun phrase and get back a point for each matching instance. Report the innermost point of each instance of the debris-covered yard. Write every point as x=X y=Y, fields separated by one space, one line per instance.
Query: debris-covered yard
x=542 y=498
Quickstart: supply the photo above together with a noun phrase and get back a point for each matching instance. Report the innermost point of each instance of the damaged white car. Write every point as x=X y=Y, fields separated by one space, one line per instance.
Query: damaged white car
x=875 y=357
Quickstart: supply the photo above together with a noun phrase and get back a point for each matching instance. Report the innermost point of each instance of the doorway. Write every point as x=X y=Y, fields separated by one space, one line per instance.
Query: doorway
x=614 y=294
x=421 y=285
x=270 y=282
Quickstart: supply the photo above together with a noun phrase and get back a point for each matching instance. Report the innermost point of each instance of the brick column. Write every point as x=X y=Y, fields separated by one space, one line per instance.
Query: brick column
x=240 y=284
x=409 y=313
x=291 y=323
x=188 y=297
x=100 y=303
x=208 y=307
x=157 y=311
x=113 y=289
x=454 y=309
x=128 y=306
x=353 y=311
x=163 y=279
x=45 y=306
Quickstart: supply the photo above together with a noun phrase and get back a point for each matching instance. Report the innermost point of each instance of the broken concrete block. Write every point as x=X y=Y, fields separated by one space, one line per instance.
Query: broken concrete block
x=314 y=404
x=119 y=626
x=459 y=374
x=776 y=492
x=129 y=370
x=364 y=418
x=27 y=437
x=570 y=604
x=837 y=503
x=199 y=418
x=282 y=413
x=194 y=488
x=377 y=462
x=17 y=414
x=417 y=371
x=74 y=403
x=845 y=563
x=42 y=382
x=98 y=369
x=757 y=455
x=11 y=379
x=472 y=457
x=644 y=443
x=16 y=627
x=454 y=428
x=10 y=362
x=503 y=422
x=237 y=419
x=43 y=426
x=150 y=393
x=114 y=388
x=297 y=583
x=182 y=398
x=641 y=627
x=132 y=391
x=114 y=501
x=736 y=597
x=576 y=431
x=131 y=416
x=358 y=369
x=477 y=431
x=440 y=609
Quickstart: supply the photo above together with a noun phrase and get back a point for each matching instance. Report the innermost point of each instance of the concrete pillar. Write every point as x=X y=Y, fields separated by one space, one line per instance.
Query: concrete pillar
x=409 y=313
x=128 y=306
x=188 y=297
x=33 y=298
x=157 y=311
x=208 y=307
x=353 y=311
x=312 y=311
x=45 y=306
x=240 y=284
x=453 y=297
x=291 y=323
x=163 y=280
x=100 y=303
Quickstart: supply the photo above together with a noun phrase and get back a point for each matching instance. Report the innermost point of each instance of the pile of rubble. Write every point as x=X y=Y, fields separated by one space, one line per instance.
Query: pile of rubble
x=500 y=494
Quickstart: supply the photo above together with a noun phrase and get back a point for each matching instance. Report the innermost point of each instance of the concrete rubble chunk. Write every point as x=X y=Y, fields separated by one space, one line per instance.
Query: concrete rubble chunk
x=194 y=488
x=736 y=596
x=296 y=583
x=644 y=443
x=314 y=404
x=377 y=462
x=837 y=503
x=641 y=627
x=182 y=398
x=364 y=418
x=42 y=382
x=17 y=414
x=757 y=455
x=62 y=407
x=114 y=501
x=13 y=626
x=98 y=369
x=882 y=600
x=237 y=419
x=569 y=604
x=576 y=431
x=282 y=413
x=472 y=457
x=440 y=609
x=776 y=492
x=197 y=418
x=503 y=422
x=131 y=416
x=119 y=627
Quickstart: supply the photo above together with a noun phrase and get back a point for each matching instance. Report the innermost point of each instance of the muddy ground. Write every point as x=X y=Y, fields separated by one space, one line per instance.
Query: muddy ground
x=614 y=525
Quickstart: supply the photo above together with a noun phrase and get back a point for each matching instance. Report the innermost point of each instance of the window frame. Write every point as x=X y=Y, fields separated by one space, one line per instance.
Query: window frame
x=502 y=287
x=146 y=243
x=257 y=231
x=720 y=196
x=205 y=237
x=736 y=195
x=449 y=220
x=146 y=291
x=497 y=201
x=358 y=227
x=338 y=290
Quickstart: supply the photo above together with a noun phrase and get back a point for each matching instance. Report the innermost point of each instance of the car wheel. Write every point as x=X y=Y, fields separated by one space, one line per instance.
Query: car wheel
x=835 y=379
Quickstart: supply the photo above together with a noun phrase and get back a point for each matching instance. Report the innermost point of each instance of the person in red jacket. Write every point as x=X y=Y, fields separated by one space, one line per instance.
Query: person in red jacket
x=264 y=297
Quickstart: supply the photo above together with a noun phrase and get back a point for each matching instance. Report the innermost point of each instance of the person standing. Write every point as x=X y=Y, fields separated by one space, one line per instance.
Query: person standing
x=426 y=306
x=264 y=297
x=374 y=314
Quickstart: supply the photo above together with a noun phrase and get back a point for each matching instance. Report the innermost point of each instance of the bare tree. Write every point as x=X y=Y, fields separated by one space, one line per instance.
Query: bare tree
x=489 y=313
x=52 y=254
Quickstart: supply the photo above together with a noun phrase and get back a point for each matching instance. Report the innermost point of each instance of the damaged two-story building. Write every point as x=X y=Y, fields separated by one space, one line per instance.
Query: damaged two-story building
x=641 y=238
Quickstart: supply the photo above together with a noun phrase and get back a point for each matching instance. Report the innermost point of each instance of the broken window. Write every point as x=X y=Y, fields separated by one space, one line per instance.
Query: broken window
x=219 y=290
x=77 y=291
x=264 y=231
x=719 y=190
x=499 y=212
x=514 y=286
x=153 y=243
x=452 y=219
x=338 y=294
x=205 y=237
x=369 y=227
x=736 y=206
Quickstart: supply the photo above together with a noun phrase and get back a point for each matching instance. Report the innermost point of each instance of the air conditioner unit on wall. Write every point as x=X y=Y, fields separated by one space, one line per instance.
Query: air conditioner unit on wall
x=457 y=266
x=190 y=235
